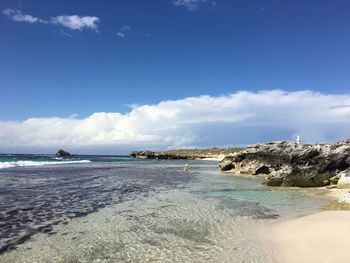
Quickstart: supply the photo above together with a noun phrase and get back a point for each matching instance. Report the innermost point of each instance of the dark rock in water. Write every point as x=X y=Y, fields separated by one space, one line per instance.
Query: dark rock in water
x=63 y=154
x=288 y=164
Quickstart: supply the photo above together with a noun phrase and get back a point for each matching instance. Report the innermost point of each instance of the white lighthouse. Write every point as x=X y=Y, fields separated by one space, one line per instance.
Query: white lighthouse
x=298 y=141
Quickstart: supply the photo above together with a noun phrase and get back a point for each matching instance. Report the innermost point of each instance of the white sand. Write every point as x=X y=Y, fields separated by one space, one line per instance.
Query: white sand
x=320 y=237
x=337 y=193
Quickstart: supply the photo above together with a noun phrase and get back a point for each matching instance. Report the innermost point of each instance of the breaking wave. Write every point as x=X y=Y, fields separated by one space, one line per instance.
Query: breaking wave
x=4 y=165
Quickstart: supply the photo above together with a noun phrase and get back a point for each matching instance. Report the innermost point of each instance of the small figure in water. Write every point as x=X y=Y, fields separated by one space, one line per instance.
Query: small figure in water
x=185 y=169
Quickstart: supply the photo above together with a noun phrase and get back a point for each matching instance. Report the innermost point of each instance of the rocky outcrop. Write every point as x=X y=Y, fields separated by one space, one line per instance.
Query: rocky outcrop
x=164 y=156
x=344 y=179
x=288 y=164
x=345 y=199
x=62 y=154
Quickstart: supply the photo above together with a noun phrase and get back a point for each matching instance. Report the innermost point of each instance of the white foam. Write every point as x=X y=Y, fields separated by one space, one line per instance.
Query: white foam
x=33 y=163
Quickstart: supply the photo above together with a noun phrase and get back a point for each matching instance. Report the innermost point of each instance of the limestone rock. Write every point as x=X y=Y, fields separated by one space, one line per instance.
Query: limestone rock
x=344 y=180
x=288 y=164
x=334 y=179
x=345 y=199
x=226 y=164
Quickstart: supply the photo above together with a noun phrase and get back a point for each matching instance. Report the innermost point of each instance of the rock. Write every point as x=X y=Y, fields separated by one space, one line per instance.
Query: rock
x=65 y=220
x=331 y=186
x=345 y=199
x=286 y=164
x=226 y=164
x=344 y=179
x=334 y=179
x=274 y=180
x=263 y=170
x=63 y=154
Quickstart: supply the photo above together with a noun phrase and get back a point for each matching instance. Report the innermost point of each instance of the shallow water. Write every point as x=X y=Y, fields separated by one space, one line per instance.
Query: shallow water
x=137 y=211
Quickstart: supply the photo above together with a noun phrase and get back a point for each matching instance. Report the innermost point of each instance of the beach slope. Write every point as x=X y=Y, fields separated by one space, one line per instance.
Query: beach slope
x=320 y=237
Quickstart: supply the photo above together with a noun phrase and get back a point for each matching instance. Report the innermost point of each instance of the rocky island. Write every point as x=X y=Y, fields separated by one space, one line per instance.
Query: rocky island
x=291 y=164
x=63 y=154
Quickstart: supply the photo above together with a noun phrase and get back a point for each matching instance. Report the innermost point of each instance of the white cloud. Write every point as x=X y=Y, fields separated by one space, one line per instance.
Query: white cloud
x=18 y=16
x=238 y=118
x=125 y=28
x=120 y=34
x=123 y=31
x=145 y=34
x=73 y=22
x=192 y=5
x=76 y=22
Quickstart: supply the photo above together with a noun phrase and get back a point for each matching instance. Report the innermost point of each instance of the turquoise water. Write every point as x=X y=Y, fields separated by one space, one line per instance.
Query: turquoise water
x=117 y=209
x=34 y=160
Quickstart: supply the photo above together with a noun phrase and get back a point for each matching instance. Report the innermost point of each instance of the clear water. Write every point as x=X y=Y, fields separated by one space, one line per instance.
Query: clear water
x=117 y=209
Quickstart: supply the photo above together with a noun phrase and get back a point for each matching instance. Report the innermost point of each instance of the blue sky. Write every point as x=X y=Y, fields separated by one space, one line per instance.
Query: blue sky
x=114 y=54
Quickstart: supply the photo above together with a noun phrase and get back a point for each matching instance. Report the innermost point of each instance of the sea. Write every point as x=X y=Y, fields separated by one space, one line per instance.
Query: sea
x=118 y=209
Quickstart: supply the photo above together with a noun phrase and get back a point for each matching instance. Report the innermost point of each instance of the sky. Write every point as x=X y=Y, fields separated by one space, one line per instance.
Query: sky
x=115 y=76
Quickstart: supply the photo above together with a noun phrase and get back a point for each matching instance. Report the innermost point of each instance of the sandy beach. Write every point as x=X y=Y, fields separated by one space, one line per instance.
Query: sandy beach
x=319 y=237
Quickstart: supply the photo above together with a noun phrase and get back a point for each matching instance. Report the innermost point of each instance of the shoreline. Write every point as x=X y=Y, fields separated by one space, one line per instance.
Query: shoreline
x=290 y=237
x=320 y=236
x=216 y=158
x=316 y=237
x=210 y=154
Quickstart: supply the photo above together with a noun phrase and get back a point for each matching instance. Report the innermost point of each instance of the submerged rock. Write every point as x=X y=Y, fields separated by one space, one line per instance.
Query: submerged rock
x=289 y=164
x=63 y=154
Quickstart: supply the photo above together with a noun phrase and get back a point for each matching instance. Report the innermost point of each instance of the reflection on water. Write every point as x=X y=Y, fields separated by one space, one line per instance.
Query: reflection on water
x=151 y=212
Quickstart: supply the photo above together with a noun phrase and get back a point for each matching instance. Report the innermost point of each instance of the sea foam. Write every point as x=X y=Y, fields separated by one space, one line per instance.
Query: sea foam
x=4 y=165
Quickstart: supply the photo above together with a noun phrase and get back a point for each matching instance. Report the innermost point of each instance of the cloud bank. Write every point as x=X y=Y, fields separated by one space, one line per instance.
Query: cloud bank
x=235 y=119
